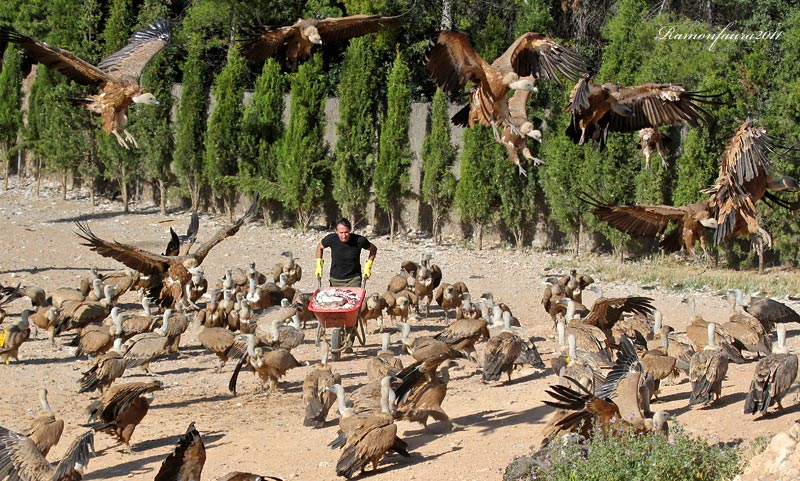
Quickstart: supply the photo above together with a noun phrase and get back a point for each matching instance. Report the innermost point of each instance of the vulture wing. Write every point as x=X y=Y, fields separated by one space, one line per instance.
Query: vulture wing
x=518 y=104
x=77 y=453
x=117 y=400
x=145 y=262
x=225 y=232
x=638 y=219
x=265 y=44
x=174 y=244
x=452 y=62
x=61 y=60
x=744 y=162
x=537 y=55
x=344 y=28
x=186 y=461
x=606 y=312
x=659 y=104
x=128 y=62
x=21 y=460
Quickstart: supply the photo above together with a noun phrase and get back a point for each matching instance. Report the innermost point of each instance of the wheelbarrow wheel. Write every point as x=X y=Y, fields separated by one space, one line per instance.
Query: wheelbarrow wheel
x=336 y=343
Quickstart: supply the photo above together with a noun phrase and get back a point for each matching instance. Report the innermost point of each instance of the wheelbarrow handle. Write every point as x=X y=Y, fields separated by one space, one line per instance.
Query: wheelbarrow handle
x=319 y=283
x=363 y=282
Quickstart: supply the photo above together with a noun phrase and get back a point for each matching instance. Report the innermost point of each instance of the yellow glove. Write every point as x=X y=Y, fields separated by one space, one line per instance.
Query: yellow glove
x=318 y=270
x=367 y=268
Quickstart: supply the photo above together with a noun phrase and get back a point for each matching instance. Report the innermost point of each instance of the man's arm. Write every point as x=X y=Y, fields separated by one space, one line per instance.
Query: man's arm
x=373 y=249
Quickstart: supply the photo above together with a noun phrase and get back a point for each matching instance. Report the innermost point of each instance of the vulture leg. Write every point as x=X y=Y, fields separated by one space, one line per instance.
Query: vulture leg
x=130 y=138
x=120 y=140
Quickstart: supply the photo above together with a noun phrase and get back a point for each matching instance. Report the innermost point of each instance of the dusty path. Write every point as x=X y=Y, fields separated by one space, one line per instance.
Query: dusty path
x=264 y=434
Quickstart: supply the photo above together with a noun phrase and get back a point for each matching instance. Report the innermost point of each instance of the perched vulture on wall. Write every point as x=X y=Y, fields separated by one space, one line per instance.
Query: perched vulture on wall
x=116 y=77
x=452 y=64
x=294 y=42
x=170 y=274
x=745 y=177
x=598 y=109
x=653 y=220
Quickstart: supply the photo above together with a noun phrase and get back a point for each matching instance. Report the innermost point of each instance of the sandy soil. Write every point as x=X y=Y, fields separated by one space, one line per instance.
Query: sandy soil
x=264 y=434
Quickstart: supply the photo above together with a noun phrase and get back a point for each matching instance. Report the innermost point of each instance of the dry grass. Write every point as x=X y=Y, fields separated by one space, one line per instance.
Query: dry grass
x=681 y=276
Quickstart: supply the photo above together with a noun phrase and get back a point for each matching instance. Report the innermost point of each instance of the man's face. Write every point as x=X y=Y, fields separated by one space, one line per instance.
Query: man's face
x=343 y=232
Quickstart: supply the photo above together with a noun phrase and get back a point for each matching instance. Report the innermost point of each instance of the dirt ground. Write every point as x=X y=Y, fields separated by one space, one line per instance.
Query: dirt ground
x=264 y=434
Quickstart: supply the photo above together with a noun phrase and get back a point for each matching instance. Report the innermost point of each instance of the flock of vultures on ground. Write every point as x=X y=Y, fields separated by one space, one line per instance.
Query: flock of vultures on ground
x=256 y=319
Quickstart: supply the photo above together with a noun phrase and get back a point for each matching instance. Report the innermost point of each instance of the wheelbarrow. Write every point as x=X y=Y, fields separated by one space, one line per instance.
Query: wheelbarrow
x=336 y=317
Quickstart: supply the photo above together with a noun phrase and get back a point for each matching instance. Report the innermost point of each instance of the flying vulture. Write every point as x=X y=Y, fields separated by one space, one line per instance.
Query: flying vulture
x=294 y=42
x=652 y=140
x=452 y=64
x=116 y=77
x=598 y=109
x=745 y=177
x=171 y=275
x=653 y=220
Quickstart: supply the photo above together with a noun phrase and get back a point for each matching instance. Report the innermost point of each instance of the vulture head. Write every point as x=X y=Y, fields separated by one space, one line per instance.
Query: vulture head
x=146 y=98
x=312 y=35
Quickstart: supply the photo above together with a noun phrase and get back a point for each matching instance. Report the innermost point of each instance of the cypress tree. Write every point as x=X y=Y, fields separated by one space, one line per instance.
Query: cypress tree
x=222 y=145
x=475 y=194
x=10 y=100
x=118 y=164
x=301 y=155
x=355 y=147
x=438 y=156
x=192 y=107
x=151 y=125
x=394 y=159
x=261 y=128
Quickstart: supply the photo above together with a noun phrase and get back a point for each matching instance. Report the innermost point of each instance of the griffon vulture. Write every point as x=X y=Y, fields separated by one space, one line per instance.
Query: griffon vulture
x=116 y=77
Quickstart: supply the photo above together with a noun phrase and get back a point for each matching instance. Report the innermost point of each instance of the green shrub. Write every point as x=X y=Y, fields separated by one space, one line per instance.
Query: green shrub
x=628 y=456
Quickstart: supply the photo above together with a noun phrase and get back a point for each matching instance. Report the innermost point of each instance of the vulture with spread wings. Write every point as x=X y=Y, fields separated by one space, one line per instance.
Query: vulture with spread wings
x=117 y=76
x=171 y=275
x=294 y=42
x=21 y=460
x=745 y=177
x=653 y=220
x=452 y=63
x=598 y=109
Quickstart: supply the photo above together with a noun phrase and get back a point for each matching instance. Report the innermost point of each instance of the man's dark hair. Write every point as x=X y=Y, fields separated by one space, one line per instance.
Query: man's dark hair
x=343 y=221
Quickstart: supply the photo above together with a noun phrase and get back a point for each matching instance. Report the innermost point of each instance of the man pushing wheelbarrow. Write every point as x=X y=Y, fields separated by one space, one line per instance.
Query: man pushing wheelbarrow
x=345 y=270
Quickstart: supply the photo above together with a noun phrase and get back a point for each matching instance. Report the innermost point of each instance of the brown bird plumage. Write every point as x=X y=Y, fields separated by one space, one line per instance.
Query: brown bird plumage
x=598 y=109
x=116 y=76
x=452 y=63
x=186 y=461
x=170 y=274
x=104 y=370
x=21 y=460
x=11 y=338
x=653 y=220
x=706 y=371
x=745 y=176
x=652 y=140
x=45 y=431
x=269 y=365
x=294 y=42
x=772 y=378
x=317 y=398
x=121 y=409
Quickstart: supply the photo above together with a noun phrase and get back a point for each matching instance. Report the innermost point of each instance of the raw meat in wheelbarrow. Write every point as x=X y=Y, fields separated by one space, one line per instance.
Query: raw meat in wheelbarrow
x=339 y=299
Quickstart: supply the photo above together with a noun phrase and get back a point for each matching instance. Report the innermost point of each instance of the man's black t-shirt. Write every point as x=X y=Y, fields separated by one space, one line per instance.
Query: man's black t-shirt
x=345 y=257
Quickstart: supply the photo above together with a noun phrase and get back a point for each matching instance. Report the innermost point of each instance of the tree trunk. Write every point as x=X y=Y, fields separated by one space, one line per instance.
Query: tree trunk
x=435 y=227
x=194 y=194
x=91 y=195
x=125 y=199
x=3 y=152
x=578 y=240
x=64 y=186
x=162 y=192
x=38 y=175
x=391 y=224
x=479 y=237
